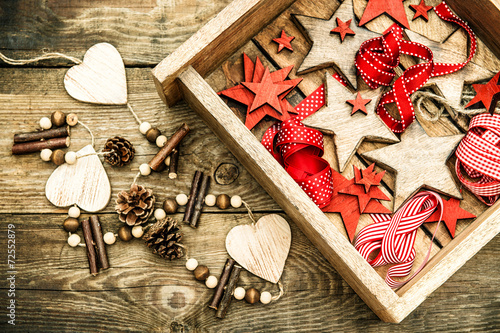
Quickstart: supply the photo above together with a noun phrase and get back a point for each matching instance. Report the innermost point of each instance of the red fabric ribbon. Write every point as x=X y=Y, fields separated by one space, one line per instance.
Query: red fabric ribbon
x=479 y=155
x=394 y=237
x=377 y=58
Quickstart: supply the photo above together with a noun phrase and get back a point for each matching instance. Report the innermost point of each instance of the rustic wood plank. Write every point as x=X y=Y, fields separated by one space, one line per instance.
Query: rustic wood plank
x=23 y=101
x=142 y=292
x=143 y=31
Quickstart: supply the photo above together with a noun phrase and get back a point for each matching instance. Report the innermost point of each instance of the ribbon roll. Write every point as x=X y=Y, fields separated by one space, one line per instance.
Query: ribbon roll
x=479 y=155
x=377 y=58
x=394 y=237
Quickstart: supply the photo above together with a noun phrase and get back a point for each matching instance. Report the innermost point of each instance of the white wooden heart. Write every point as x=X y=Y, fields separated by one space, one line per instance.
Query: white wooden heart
x=100 y=79
x=261 y=248
x=84 y=183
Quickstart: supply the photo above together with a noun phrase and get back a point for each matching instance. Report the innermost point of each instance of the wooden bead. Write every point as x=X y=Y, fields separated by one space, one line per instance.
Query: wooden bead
x=252 y=296
x=236 y=201
x=145 y=169
x=160 y=214
x=211 y=282
x=46 y=154
x=191 y=264
x=161 y=140
x=170 y=206
x=45 y=123
x=58 y=157
x=71 y=119
x=181 y=199
x=74 y=212
x=144 y=127
x=137 y=231
x=152 y=134
x=58 y=118
x=210 y=200
x=266 y=297
x=223 y=201
x=74 y=240
x=125 y=233
x=201 y=273
x=70 y=157
x=109 y=238
x=239 y=293
x=71 y=224
x=167 y=160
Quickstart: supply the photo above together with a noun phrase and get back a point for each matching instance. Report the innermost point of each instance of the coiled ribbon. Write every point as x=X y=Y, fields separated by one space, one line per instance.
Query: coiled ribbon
x=394 y=237
x=479 y=155
x=377 y=58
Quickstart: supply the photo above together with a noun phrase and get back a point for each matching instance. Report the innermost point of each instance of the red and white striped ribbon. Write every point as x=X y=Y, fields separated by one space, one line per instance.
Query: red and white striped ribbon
x=479 y=155
x=377 y=58
x=394 y=237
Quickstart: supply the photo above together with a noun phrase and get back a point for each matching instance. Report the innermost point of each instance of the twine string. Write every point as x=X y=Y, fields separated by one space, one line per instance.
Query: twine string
x=421 y=96
x=250 y=214
x=53 y=55
x=134 y=114
x=281 y=291
x=88 y=129
x=135 y=178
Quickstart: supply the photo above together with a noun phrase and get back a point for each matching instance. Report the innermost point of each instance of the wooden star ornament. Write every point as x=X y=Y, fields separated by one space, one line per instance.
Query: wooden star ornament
x=451 y=213
x=349 y=129
x=393 y=8
x=419 y=161
x=284 y=41
x=487 y=94
x=421 y=10
x=327 y=48
x=343 y=29
x=358 y=104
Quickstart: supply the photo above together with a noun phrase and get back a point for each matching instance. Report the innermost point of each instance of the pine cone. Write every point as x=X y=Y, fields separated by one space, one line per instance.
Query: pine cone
x=120 y=151
x=135 y=207
x=164 y=238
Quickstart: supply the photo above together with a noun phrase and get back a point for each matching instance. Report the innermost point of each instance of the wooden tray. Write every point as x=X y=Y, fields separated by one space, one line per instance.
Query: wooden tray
x=191 y=73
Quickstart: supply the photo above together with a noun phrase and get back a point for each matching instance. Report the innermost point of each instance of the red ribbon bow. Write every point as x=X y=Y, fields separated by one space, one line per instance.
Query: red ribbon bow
x=377 y=58
x=479 y=155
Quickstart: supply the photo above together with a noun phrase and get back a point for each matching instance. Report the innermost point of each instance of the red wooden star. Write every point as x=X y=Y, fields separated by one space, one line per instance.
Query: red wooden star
x=421 y=10
x=368 y=177
x=254 y=73
x=284 y=41
x=451 y=213
x=393 y=8
x=487 y=94
x=358 y=104
x=343 y=29
x=349 y=204
x=266 y=92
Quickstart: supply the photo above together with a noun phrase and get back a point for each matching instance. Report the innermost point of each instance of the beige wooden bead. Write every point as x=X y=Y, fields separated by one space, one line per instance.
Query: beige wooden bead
x=74 y=212
x=45 y=123
x=144 y=127
x=70 y=157
x=191 y=264
x=181 y=199
x=160 y=214
x=167 y=160
x=137 y=231
x=236 y=201
x=71 y=119
x=210 y=200
x=74 y=240
x=109 y=238
x=265 y=297
x=239 y=293
x=211 y=282
x=145 y=169
x=161 y=140
x=46 y=154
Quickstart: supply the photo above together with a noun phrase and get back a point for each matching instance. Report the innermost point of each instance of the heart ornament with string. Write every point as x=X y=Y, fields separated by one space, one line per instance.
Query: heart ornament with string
x=100 y=78
x=261 y=248
x=84 y=183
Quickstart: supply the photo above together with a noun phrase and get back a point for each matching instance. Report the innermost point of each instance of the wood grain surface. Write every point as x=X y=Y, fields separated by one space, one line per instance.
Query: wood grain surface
x=141 y=292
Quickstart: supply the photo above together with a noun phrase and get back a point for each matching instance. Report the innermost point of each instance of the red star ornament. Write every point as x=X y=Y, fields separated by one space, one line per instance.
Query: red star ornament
x=487 y=94
x=393 y=8
x=421 y=10
x=284 y=41
x=266 y=92
x=451 y=213
x=358 y=104
x=349 y=205
x=368 y=177
x=343 y=29
x=254 y=73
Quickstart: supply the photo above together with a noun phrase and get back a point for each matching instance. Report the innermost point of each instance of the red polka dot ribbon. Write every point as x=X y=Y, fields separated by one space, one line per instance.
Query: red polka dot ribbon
x=479 y=155
x=394 y=237
x=377 y=58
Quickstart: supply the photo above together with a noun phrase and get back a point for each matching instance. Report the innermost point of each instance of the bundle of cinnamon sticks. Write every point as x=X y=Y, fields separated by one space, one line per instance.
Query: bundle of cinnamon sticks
x=96 y=250
x=199 y=189
x=54 y=138
x=224 y=291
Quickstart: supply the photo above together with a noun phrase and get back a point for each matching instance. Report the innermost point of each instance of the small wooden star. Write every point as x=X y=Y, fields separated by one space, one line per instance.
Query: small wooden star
x=368 y=177
x=393 y=8
x=358 y=104
x=451 y=213
x=487 y=94
x=343 y=29
x=421 y=10
x=284 y=41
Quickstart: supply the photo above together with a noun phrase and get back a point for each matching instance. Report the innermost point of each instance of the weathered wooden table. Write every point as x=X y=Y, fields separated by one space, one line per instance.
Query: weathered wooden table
x=141 y=292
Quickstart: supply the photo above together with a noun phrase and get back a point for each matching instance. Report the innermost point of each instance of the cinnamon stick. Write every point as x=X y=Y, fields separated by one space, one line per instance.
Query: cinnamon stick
x=87 y=236
x=228 y=293
x=34 y=146
x=173 y=142
x=192 y=196
x=200 y=198
x=99 y=242
x=52 y=133
x=174 y=162
x=224 y=277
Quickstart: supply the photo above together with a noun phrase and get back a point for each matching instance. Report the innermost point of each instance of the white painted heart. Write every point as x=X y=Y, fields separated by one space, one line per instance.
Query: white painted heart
x=84 y=183
x=261 y=248
x=100 y=79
